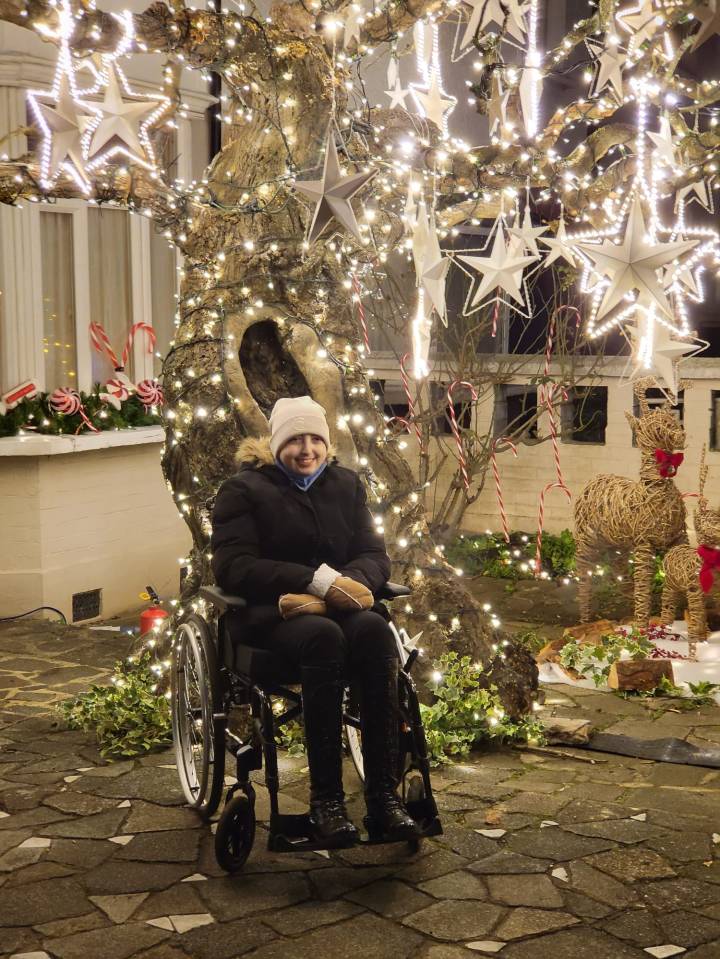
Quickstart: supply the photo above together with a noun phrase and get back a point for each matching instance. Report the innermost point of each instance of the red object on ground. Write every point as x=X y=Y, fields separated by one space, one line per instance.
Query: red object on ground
x=151 y=617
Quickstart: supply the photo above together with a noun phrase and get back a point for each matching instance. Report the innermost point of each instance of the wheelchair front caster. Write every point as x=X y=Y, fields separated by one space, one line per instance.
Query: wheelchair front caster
x=235 y=834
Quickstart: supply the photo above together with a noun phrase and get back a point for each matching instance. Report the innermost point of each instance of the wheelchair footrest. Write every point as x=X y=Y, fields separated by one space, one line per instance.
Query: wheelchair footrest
x=425 y=814
x=290 y=833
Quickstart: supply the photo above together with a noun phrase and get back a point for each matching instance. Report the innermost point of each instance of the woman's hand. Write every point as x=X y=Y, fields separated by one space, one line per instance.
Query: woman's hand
x=301 y=604
x=348 y=594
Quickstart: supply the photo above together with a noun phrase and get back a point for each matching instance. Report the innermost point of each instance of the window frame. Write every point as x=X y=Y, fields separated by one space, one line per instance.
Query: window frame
x=567 y=413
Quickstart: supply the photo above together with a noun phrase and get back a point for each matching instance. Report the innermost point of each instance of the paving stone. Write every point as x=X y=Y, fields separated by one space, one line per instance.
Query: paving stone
x=175 y=846
x=114 y=877
x=38 y=872
x=81 y=804
x=119 y=908
x=529 y=922
x=583 y=906
x=631 y=865
x=366 y=935
x=555 y=844
x=453 y=920
x=455 y=885
x=442 y=951
x=149 y=817
x=150 y=783
x=42 y=902
x=466 y=842
x=705 y=871
x=572 y=944
x=506 y=863
x=181 y=899
x=87 y=853
x=100 y=826
x=587 y=811
x=162 y=951
x=710 y=950
x=66 y=927
x=391 y=898
x=16 y=941
x=31 y=818
x=536 y=804
x=117 y=941
x=688 y=928
x=638 y=926
x=524 y=891
x=227 y=940
x=333 y=882
x=244 y=895
x=682 y=846
x=620 y=830
x=600 y=886
x=295 y=920
x=668 y=894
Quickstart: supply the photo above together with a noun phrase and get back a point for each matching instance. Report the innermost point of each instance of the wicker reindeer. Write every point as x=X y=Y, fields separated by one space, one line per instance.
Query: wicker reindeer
x=689 y=571
x=640 y=517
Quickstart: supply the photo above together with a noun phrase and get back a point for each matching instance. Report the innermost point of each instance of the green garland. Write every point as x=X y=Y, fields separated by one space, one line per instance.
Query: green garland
x=36 y=416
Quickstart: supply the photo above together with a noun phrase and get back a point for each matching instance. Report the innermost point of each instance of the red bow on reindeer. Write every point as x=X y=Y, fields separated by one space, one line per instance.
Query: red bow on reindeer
x=668 y=462
x=710 y=562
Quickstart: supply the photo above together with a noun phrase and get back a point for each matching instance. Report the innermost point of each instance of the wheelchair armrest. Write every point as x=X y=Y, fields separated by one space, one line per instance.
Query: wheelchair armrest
x=393 y=591
x=223 y=601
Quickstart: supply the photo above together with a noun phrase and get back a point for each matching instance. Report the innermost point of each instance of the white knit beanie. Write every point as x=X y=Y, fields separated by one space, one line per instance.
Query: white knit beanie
x=294 y=416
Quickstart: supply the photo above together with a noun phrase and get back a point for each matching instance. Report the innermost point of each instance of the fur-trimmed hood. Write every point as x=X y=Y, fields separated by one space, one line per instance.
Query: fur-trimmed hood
x=255 y=451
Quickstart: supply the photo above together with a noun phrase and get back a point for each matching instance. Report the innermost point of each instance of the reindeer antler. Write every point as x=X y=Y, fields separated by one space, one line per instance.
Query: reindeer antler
x=640 y=389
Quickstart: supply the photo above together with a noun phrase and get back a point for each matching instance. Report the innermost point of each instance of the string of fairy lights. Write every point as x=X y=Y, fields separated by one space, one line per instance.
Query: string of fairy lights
x=83 y=137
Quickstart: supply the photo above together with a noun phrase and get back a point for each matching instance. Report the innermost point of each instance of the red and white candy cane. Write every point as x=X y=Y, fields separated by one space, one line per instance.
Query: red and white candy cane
x=360 y=310
x=150 y=393
x=456 y=432
x=101 y=342
x=411 y=403
x=134 y=330
x=67 y=401
x=498 y=487
x=541 y=520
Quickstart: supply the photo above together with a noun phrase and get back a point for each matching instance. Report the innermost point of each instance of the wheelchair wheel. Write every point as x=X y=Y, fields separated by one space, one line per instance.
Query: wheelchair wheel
x=197 y=716
x=235 y=834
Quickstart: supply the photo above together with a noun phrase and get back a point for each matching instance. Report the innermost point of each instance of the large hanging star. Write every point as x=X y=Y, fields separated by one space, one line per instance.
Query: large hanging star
x=664 y=146
x=63 y=127
x=632 y=264
x=610 y=62
x=655 y=351
x=497 y=104
x=484 y=12
x=640 y=22
x=434 y=272
x=398 y=94
x=332 y=193
x=501 y=271
x=709 y=17
x=560 y=246
x=434 y=104
x=124 y=125
x=528 y=233
x=697 y=192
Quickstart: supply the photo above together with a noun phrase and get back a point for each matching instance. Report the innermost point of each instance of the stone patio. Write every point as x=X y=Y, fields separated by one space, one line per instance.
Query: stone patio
x=547 y=854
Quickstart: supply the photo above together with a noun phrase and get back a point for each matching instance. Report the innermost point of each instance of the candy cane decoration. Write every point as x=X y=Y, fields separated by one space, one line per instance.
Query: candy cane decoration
x=541 y=520
x=101 y=342
x=411 y=403
x=67 y=401
x=361 y=310
x=498 y=487
x=134 y=329
x=456 y=432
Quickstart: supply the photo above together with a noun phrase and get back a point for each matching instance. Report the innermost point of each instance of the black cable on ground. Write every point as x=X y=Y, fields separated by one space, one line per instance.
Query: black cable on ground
x=7 y=619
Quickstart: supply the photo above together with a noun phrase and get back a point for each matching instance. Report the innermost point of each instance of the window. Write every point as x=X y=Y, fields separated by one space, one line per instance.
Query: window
x=584 y=417
x=58 y=299
x=516 y=411
x=715 y=420
x=461 y=406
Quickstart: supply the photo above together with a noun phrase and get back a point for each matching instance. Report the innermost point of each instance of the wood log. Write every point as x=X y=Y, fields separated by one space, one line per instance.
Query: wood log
x=642 y=675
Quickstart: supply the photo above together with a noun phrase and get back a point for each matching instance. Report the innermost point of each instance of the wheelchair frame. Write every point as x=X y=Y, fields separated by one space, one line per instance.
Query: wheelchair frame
x=202 y=737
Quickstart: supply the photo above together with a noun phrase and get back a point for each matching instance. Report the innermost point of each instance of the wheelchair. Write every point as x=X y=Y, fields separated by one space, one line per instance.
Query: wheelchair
x=211 y=674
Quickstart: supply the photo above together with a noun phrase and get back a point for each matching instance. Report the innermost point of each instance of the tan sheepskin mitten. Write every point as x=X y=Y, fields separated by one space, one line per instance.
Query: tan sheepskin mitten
x=300 y=604
x=347 y=594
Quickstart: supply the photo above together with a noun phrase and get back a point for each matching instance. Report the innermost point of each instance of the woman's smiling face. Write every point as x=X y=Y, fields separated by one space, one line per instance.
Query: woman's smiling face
x=303 y=454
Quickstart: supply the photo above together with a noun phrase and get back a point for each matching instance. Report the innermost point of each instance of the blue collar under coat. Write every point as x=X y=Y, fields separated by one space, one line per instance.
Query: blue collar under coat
x=303 y=483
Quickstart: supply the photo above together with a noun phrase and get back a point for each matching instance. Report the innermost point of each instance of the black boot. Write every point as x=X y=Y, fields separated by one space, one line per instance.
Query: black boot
x=387 y=817
x=322 y=693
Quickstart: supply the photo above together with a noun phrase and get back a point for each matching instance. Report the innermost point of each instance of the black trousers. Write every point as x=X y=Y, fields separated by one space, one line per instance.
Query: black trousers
x=352 y=639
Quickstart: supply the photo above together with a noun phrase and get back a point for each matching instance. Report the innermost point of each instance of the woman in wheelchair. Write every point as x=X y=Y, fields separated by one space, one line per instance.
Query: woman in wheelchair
x=292 y=535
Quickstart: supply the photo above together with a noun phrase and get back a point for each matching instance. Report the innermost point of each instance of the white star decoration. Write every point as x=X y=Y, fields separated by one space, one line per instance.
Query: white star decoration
x=353 y=25
x=124 y=127
x=709 y=17
x=530 y=90
x=528 y=234
x=434 y=272
x=484 y=12
x=332 y=193
x=658 y=353
x=434 y=104
x=63 y=127
x=631 y=265
x=664 y=146
x=697 y=192
x=609 y=61
x=560 y=246
x=497 y=104
x=640 y=22
x=398 y=94
x=420 y=235
x=502 y=271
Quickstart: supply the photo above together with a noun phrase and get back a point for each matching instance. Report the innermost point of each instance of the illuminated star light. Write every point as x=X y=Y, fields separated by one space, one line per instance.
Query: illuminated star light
x=560 y=246
x=528 y=234
x=484 y=12
x=663 y=140
x=609 y=61
x=434 y=103
x=640 y=22
x=398 y=94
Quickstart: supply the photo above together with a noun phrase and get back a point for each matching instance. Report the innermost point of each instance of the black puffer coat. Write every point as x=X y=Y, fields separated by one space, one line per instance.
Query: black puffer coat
x=269 y=537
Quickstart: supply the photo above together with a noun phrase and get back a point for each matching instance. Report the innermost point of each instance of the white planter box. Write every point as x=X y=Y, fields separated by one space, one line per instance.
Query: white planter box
x=86 y=512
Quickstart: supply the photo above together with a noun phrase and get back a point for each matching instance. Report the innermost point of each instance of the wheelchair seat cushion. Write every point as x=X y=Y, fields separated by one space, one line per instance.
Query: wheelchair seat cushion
x=262 y=666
